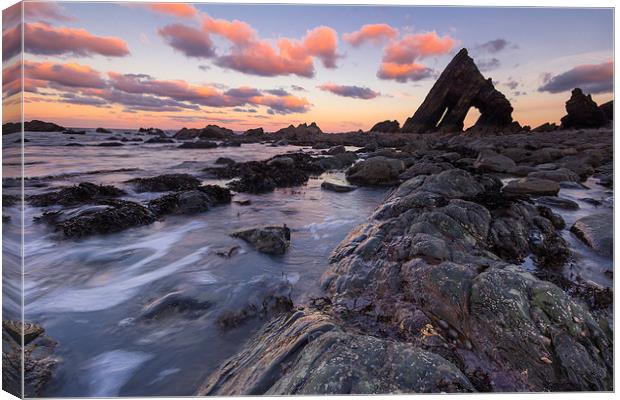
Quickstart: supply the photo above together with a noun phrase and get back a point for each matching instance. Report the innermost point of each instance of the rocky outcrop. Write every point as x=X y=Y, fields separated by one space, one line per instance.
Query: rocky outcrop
x=608 y=109
x=264 y=176
x=582 y=112
x=164 y=183
x=107 y=216
x=424 y=297
x=82 y=193
x=460 y=87
x=269 y=239
x=103 y=130
x=190 y=201
x=386 y=127
x=376 y=171
x=254 y=132
x=209 y=132
x=321 y=358
x=31 y=126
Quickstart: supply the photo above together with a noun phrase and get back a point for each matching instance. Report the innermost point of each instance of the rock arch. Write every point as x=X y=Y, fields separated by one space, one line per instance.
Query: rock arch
x=460 y=87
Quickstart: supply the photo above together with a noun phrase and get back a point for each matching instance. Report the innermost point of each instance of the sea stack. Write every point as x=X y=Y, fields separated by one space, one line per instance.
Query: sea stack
x=460 y=87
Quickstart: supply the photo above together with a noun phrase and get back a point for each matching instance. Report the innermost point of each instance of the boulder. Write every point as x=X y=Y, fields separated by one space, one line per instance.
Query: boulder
x=460 y=87
x=190 y=201
x=582 y=112
x=209 y=132
x=532 y=186
x=269 y=239
x=103 y=130
x=376 y=171
x=164 y=183
x=490 y=161
x=597 y=232
x=386 y=127
x=558 y=202
x=557 y=175
x=336 y=187
x=173 y=303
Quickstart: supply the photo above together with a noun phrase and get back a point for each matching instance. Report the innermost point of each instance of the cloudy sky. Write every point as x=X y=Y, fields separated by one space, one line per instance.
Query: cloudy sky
x=173 y=64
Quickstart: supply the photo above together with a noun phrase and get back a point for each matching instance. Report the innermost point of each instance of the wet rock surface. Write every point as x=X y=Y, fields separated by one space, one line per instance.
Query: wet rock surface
x=164 y=183
x=37 y=364
x=376 y=171
x=597 y=232
x=270 y=239
x=82 y=193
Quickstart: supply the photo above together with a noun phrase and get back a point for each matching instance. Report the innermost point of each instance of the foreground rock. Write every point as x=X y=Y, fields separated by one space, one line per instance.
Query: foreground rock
x=597 y=232
x=425 y=296
x=376 y=171
x=582 y=112
x=108 y=216
x=38 y=360
x=190 y=201
x=269 y=239
x=82 y=193
x=321 y=358
x=264 y=176
x=532 y=186
x=336 y=187
x=164 y=183
x=460 y=87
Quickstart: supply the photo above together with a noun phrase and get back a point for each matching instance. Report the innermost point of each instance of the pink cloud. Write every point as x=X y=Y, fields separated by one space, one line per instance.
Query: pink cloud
x=373 y=33
x=80 y=84
x=41 y=38
x=190 y=41
x=400 y=56
x=403 y=72
x=238 y=32
x=252 y=55
x=180 y=10
x=415 y=46
x=69 y=75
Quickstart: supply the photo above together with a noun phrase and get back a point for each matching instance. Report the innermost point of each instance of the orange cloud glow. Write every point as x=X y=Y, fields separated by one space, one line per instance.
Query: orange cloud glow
x=374 y=33
x=180 y=10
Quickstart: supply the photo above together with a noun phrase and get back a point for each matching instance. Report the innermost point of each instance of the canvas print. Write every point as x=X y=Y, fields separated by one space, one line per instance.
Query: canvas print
x=203 y=199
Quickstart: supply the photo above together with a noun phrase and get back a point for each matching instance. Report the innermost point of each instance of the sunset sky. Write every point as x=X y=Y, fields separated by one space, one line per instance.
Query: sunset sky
x=124 y=65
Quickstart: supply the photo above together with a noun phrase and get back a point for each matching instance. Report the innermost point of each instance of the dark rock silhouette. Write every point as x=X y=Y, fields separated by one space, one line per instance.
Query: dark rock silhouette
x=608 y=109
x=31 y=126
x=460 y=87
x=582 y=112
x=386 y=127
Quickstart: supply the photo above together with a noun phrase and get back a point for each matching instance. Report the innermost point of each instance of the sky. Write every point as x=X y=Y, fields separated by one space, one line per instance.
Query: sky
x=173 y=65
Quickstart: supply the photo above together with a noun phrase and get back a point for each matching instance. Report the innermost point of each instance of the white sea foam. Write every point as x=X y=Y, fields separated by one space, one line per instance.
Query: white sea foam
x=108 y=372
